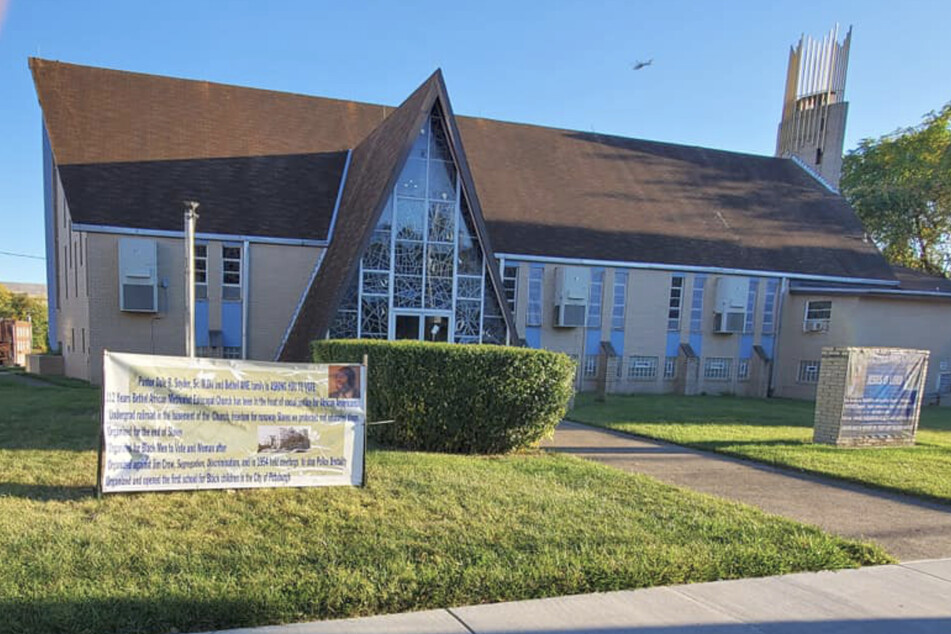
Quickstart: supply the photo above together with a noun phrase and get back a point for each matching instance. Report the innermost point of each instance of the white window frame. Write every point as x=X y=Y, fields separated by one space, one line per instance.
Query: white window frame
x=743 y=369
x=201 y=258
x=670 y=368
x=595 y=299
x=510 y=276
x=717 y=368
x=619 y=306
x=676 y=284
x=817 y=318
x=536 y=279
x=642 y=368
x=808 y=371
x=590 y=369
x=225 y=284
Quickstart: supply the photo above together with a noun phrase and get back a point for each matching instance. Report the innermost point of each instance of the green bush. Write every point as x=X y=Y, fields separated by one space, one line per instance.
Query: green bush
x=458 y=398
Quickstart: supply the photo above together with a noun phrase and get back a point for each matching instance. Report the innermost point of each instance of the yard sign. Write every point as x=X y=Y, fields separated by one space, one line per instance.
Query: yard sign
x=184 y=423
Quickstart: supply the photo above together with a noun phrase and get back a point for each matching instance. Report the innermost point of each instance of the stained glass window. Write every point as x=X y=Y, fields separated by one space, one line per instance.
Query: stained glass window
x=423 y=257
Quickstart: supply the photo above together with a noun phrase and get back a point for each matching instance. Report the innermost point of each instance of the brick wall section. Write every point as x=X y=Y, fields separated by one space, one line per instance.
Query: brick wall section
x=830 y=395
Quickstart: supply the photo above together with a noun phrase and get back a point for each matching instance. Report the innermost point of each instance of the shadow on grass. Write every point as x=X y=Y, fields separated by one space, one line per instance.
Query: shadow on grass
x=46 y=492
x=153 y=616
x=142 y=615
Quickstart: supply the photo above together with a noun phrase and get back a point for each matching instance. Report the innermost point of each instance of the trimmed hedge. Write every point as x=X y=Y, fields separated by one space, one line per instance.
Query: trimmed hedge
x=458 y=398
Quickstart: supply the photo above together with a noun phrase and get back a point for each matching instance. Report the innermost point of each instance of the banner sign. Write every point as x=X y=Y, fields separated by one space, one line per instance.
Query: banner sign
x=173 y=423
x=883 y=392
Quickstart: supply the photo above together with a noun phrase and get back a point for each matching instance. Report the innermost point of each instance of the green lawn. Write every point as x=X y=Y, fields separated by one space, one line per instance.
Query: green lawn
x=779 y=432
x=428 y=531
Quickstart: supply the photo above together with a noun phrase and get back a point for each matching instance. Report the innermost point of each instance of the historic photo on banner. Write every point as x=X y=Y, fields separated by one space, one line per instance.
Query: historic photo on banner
x=178 y=423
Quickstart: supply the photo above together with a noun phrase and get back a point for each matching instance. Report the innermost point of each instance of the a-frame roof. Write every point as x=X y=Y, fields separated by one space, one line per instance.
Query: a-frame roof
x=374 y=168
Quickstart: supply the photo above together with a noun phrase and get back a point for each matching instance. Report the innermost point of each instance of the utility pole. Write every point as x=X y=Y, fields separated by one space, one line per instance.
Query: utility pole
x=191 y=217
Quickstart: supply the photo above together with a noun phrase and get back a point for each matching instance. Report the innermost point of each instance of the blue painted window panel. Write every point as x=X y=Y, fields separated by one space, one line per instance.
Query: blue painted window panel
x=617 y=340
x=673 y=344
x=231 y=324
x=594 y=298
x=696 y=304
x=620 y=296
x=751 y=304
x=696 y=342
x=592 y=342
x=675 y=303
x=201 y=324
x=746 y=346
x=533 y=337
x=768 y=342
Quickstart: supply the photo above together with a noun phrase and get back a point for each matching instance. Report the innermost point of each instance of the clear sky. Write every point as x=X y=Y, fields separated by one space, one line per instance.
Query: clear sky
x=717 y=78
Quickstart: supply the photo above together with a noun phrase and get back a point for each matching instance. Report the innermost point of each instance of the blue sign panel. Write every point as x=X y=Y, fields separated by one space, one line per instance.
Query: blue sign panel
x=883 y=390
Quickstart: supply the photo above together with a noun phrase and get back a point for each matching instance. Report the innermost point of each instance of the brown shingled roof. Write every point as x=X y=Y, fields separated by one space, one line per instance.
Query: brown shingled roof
x=544 y=191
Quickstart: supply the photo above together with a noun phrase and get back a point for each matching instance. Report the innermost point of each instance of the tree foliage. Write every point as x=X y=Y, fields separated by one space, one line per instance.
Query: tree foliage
x=900 y=186
x=22 y=306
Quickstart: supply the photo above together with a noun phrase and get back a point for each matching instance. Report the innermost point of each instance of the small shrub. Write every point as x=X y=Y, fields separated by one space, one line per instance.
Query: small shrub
x=458 y=398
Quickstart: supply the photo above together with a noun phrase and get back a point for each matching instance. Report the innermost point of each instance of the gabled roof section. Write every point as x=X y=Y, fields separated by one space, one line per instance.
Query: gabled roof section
x=277 y=196
x=99 y=115
x=372 y=175
x=374 y=168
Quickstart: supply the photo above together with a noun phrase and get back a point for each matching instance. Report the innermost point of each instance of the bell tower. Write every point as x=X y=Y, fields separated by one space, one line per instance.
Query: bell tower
x=812 y=129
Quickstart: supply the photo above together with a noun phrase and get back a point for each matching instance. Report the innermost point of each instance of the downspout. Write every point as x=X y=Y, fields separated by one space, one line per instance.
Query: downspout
x=778 y=309
x=246 y=259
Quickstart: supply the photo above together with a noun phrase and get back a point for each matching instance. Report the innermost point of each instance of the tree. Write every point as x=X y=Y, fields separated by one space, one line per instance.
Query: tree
x=22 y=306
x=900 y=186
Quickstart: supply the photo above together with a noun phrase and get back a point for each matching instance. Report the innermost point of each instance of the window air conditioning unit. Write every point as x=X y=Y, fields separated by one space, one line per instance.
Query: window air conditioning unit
x=816 y=325
x=727 y=323
x=138 y=275
x=730 y=304
x=571 y=296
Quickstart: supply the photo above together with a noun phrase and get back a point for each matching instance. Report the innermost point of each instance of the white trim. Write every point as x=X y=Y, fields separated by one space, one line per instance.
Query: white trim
x=818 y=290
x=691 y=269
x=343 y=181
x=300 y=304
x=246 y=273
x=224 y=237
x=808 y=170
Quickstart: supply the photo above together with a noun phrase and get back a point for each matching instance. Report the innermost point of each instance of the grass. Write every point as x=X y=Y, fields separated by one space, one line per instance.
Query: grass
x=428 y=531
x=779 y=432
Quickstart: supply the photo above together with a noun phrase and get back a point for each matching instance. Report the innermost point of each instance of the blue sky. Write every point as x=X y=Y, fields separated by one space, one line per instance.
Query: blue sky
x=717 y=78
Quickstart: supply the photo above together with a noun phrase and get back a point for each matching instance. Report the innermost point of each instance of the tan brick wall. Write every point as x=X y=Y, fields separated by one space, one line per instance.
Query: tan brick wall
x=830 y=394
x=278 y=277
x=73 y=317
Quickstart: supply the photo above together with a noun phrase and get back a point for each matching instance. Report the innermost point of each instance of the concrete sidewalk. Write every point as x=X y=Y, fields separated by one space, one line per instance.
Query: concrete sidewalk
x=909 y=528
x=907 y=598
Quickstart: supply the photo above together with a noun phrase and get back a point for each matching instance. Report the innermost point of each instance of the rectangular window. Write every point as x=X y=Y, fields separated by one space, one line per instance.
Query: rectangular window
x=743 y=369
x=594 y=298
x=696 y=305
x=769 y=307
x=231 y=352
x=590 y=366
x=750 y=306
x=510 y=285
x=201 y=271
x=675 y=305
x=535 y=277
x=642 y=368
x=818 y=314
x=230 y=272
x=620 y=296
x=808 y=372
x=717 y=368
x=944 y=383
x=670 y=368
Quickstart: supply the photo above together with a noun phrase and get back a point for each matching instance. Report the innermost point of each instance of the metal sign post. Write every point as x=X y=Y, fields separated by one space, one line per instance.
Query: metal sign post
x=191 y=217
